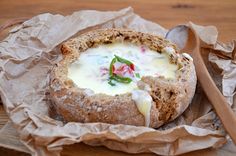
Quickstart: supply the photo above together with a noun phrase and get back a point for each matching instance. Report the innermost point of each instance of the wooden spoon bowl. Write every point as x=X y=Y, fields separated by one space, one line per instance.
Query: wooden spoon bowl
x=188 y=41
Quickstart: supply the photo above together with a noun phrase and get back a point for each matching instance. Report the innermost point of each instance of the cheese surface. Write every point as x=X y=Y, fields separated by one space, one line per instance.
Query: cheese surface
x=144 y=103
x=91 y=70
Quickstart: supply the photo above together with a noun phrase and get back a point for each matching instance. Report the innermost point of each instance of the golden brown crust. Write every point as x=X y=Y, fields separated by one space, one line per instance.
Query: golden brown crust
x=170 y=97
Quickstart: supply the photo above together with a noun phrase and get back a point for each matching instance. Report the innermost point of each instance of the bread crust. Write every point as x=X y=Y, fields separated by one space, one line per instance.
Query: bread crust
x=170 y=97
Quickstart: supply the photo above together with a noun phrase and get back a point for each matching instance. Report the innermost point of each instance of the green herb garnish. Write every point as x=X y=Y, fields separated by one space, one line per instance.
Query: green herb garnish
x=111 y=83
x=122 y=60
x=137 y=75
x=121 y=79
x=116 y=77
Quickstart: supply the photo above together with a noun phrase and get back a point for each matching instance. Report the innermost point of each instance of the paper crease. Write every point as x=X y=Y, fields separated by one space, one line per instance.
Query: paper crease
x=28 y=53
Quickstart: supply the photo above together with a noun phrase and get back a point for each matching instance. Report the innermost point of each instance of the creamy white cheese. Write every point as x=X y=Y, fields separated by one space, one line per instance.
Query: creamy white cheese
x=144 y=103
x=187 y=56
x=168 y=50
x=91 y=69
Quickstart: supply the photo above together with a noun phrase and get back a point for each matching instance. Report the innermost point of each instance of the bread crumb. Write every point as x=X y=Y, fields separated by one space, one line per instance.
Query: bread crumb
x=99 y=109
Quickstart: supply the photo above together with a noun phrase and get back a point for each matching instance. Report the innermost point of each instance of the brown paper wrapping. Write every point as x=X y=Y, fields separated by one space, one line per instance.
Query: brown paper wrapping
x=30 y=50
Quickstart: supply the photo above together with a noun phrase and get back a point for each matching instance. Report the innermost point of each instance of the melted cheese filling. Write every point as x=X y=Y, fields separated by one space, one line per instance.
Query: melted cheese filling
x=144 y=103
x=91 y=71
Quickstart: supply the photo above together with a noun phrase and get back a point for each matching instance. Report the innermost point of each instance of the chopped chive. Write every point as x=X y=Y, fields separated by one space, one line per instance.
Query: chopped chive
x=122 y=60
x=111 y=83
x=121 y=79
x=111 y=66
x=137 y=75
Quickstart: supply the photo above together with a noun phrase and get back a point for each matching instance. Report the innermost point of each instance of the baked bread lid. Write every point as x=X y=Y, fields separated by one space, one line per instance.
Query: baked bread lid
x=91 y=84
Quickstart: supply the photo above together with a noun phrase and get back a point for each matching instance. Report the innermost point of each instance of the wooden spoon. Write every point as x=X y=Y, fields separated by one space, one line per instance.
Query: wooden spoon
x=188 y=41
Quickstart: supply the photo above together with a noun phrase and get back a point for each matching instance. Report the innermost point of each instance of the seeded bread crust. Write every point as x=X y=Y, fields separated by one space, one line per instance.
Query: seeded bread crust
x=170 y=97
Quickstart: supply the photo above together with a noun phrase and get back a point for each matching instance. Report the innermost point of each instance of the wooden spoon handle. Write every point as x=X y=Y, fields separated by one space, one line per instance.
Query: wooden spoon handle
x=222 y=108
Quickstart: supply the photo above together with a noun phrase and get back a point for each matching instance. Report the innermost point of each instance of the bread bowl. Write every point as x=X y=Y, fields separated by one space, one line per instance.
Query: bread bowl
x=91 y=84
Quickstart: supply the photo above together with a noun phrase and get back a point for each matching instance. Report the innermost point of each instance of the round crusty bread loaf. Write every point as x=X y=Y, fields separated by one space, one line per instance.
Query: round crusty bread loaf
x=170 y=97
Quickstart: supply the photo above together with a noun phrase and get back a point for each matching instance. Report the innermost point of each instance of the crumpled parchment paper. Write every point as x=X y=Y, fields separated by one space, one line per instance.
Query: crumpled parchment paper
x=30 y=50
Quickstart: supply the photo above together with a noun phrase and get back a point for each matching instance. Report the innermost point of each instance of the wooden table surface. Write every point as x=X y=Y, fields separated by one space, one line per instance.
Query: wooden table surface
x=221 y=13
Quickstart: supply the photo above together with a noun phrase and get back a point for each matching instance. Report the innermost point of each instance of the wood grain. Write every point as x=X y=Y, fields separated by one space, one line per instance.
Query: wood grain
x=221 y=13
x=3 y=117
